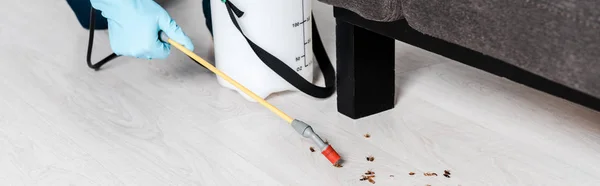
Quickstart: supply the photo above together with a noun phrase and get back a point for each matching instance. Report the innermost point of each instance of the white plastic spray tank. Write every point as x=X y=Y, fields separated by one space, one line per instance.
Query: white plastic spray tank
x=282 y=28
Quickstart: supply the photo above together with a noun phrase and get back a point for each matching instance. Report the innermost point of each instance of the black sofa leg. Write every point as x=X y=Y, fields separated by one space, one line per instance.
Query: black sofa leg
x=365 y=71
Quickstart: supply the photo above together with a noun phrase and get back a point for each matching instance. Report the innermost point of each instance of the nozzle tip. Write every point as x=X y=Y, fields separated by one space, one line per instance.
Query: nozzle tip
x=331 y=155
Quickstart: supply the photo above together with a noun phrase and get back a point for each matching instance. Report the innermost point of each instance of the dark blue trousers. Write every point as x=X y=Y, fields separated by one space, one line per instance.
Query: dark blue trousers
x=81 y=8
x=207 y=14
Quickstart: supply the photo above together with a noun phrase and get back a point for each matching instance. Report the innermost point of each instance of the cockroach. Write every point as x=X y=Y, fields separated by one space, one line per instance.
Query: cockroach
x=447 y=173
x=338 y=165
x=430 y=174
x=370 y=158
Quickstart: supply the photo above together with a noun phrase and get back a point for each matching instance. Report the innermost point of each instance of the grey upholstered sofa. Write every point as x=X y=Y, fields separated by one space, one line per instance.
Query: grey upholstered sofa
x=557 y=41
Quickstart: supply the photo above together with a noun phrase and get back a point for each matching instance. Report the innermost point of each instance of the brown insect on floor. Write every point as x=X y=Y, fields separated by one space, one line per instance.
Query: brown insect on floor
x=368 y=176
x=430 y=174
x=411 y=173
x=370 y=158
x=447 y=173
x=338 y=165
x=312 y=149
x=367 y=135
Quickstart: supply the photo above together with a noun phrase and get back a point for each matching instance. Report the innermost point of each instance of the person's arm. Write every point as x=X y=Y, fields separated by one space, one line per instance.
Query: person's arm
x=133 y=27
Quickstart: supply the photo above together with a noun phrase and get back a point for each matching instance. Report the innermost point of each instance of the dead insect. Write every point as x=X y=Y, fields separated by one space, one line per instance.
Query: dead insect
x=367 y=135
x=369 y=175
x=370 y=158
x=326 y=142
x=338 y=165
x=312 y=149
x=447 y=173
x=411 y=173
x=430 y=174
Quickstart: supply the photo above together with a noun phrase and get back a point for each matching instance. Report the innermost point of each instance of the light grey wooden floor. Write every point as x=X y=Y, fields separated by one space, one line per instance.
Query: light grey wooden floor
x=168 y=122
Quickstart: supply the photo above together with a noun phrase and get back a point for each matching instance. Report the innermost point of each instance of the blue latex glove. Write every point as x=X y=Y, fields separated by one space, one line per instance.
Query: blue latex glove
x=133 y=27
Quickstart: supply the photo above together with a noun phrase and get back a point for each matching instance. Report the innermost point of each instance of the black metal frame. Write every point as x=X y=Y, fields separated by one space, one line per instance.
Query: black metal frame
x=95 y=66
x=357 y=96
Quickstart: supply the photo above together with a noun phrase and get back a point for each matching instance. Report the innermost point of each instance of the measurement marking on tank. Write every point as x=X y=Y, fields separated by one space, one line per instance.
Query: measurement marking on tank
x=309 y=63
x=307 y=42
x=297 y=24
x=307 y=19
x=300 y=57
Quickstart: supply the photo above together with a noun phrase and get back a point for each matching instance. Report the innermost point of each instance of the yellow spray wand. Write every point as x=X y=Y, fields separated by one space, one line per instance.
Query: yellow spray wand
x=302 y=128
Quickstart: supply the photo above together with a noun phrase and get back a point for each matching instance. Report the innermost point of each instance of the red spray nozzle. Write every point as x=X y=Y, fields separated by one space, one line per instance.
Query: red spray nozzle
x=307 y=131
x=331 y=155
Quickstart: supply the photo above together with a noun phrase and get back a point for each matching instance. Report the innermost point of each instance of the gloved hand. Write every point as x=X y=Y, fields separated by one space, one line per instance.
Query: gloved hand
x=133 y=27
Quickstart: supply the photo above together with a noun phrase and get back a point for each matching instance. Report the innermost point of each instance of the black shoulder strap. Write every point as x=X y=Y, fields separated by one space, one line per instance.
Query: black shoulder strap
x=284 y=70
x=95 y=66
